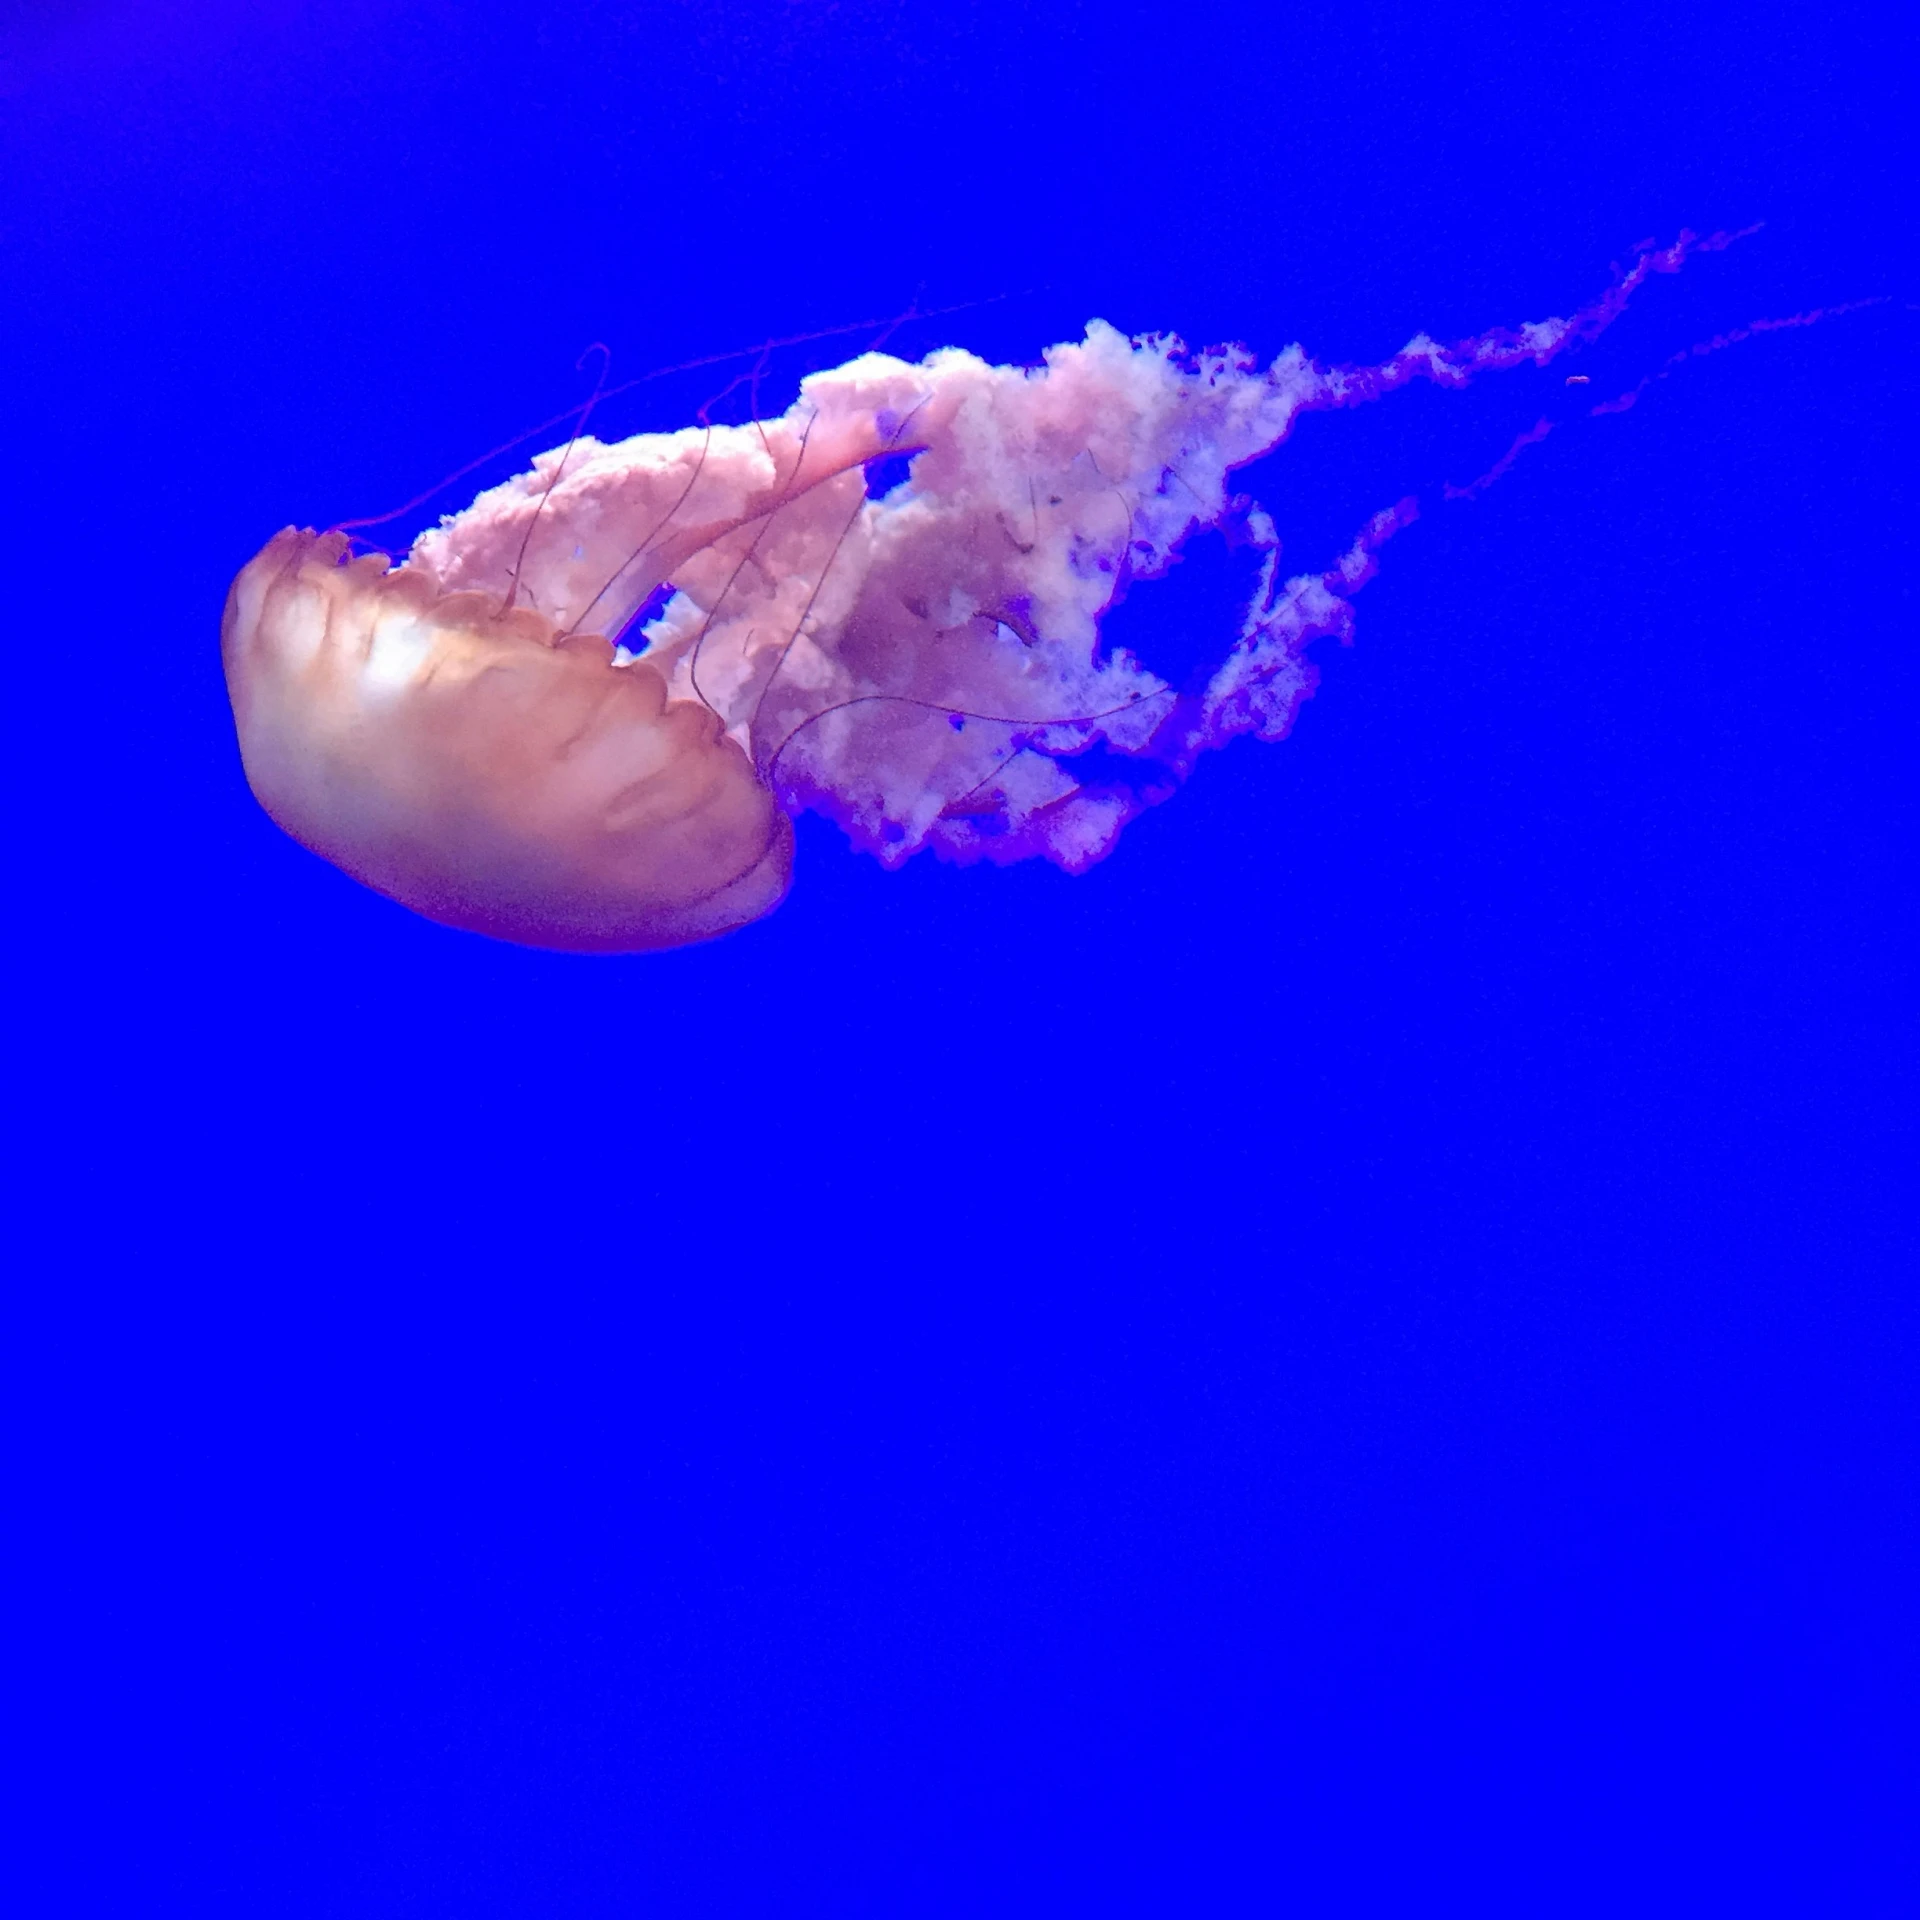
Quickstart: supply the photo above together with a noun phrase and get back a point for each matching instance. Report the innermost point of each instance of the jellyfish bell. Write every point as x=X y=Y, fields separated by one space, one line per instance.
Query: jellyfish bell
x=484 y=770
x=581 y=712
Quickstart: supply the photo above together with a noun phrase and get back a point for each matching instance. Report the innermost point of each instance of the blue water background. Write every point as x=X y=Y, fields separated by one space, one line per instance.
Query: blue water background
x=1357 y=1358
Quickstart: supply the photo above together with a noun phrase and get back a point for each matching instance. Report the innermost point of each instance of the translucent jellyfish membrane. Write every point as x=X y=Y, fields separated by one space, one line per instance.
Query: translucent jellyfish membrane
x=581 y=713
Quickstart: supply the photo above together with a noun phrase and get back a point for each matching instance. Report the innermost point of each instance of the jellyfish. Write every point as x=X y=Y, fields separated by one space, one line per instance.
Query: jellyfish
x=582 y=712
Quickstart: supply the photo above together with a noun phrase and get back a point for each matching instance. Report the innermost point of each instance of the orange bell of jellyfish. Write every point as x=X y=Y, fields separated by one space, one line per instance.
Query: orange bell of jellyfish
x=483 y=771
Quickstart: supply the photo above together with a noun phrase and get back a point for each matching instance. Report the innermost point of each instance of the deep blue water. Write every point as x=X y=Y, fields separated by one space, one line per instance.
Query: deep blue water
x=1357 y=1358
